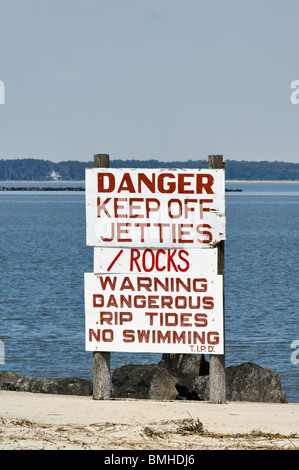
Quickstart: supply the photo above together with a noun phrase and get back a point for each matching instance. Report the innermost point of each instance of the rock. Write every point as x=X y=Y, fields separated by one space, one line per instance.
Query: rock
x=149 y=381
x=184 y=365
x=244 y=382
x=250 y=382
x=174 y=377
x=156 y=381
x=194 y=388
x=68 y=386
x=8 y=378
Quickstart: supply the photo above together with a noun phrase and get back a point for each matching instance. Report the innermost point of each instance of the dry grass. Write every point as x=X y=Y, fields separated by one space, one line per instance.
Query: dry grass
x=187 y=434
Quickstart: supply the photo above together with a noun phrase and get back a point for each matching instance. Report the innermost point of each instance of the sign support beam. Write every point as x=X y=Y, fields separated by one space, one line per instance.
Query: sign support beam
x=217 y=362
x=101 y=360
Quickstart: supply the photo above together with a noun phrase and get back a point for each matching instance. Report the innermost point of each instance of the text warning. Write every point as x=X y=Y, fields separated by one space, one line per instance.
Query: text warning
x=157 y=314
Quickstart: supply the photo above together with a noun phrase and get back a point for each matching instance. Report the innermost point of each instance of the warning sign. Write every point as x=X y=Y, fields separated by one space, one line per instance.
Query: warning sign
x=147 y=313
x=155 y=261
x=155 y=208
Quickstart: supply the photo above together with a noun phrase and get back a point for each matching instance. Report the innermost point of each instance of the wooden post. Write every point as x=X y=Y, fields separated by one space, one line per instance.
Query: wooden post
x=217 y=362
x=101 y=360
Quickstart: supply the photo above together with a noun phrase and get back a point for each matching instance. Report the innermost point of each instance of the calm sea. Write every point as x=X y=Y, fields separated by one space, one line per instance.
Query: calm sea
x=43 y=258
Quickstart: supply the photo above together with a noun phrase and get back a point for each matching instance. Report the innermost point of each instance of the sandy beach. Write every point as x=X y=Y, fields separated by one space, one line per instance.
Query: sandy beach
x=32 y=421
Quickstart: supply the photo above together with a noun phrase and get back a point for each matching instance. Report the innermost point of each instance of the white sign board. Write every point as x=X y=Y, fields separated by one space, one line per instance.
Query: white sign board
x=155 y=261
x=157 y=314
x=140 y=208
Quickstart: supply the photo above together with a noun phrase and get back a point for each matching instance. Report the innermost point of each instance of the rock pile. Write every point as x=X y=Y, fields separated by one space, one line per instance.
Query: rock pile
x=185 y=376
x=176 y=376
x=20 y=383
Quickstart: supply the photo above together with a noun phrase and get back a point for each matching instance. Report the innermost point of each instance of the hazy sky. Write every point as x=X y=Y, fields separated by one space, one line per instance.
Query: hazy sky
x=142 y=79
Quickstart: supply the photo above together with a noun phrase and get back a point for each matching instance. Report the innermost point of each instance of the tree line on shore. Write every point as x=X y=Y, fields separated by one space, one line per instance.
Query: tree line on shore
x=30 y=169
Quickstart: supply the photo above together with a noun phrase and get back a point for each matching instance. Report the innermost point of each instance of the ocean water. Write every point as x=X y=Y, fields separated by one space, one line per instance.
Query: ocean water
x=43 y=258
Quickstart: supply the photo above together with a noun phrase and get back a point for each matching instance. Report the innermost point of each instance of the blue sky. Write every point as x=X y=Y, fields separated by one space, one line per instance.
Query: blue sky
x=163 y=79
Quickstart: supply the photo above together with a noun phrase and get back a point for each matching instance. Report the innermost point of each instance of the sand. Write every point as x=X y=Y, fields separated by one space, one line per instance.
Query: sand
x=32 y=421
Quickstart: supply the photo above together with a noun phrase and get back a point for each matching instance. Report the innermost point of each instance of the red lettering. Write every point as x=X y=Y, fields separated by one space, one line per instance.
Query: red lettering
x=204 y=182
x=163 y=338
x=114 y=260
x=111 y=302
x=161 y=227
x=98 y=300
x=182 y=233
x=139 y=301
x=125 y=317
x=93 y=334
x=166 y=301
x=102 y=207
x=134 y=257
x=187 y=264
x=122 y=230
x=182 y=183
x=161 y=260
x=185 y=319
x=213 y=337
x=179 y=338
x=118 y=206
x=126 y=184
x=127 y=284
x=106 y=317
x=170 y=261
x=188 y=209
x=137 y=207
x=150 y=184
x=203 y=209
x=152 y=301
x=107 y=281
x=169 y=187
x=105 y=336
x=203 y=286
x=109 y=239
x=142 y=226
x=159 y=252
x=208 y=303
x=200 y=319
x=128 y=336
x=151 y=315
x=111 y=182
x=171 y=211
x=152 y=261
x=171 y=319
x=153 y=208
x=205 y=233
x=143 y=335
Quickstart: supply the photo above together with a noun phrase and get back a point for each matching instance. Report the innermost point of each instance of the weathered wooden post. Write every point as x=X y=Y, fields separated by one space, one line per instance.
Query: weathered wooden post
x=101 y=360
x=217 y=362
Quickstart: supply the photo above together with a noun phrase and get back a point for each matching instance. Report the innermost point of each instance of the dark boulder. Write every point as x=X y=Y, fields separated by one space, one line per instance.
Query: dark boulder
x=156 y=381
x=148 y=381
x=194 y=388
x=244 y=382
x=184 y=365
x=250 y=382
x=68 y=386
